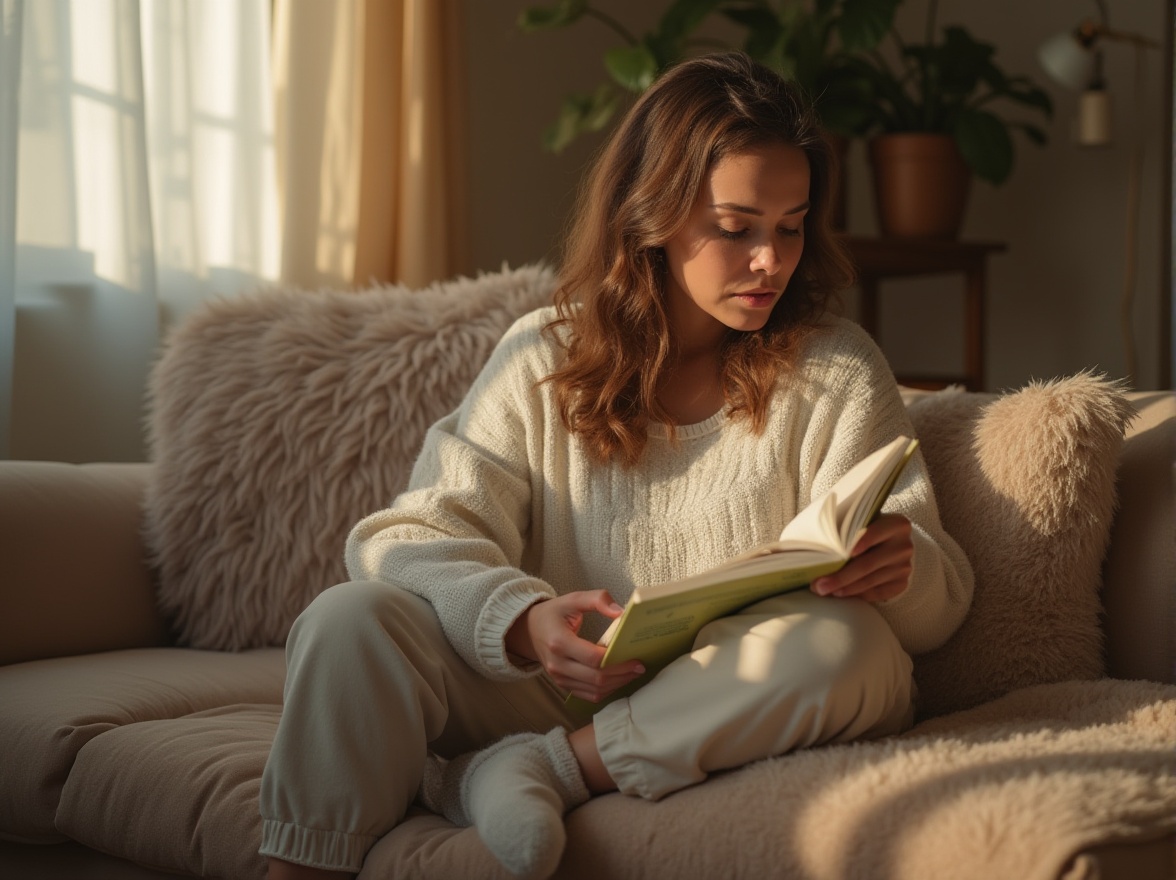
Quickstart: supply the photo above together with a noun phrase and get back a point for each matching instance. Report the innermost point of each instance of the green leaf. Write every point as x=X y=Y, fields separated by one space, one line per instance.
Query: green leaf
x=805 y=47
x=986 y=145
x=560 y=133
x=863 y=23
x=1024 y=92
x=683 y=17
x=893 y=109
x=542 y=17
x=1032 y=132
x=763 y=30
x=849 y=120
x=664 y=51
x=602 y=108
x=633 y=67
x=845 y=102
x=580 y=114
x=961 y=62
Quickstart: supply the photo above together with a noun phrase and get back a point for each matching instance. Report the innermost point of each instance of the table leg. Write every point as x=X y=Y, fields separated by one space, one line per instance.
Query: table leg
x=974 y=328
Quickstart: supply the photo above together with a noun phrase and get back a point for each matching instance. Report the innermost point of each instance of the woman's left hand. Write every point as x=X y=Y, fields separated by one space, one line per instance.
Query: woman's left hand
x=880 y=564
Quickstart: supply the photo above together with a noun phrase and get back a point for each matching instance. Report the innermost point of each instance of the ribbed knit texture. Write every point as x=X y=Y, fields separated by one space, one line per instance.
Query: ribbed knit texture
x=505 y=508
x=515 y=791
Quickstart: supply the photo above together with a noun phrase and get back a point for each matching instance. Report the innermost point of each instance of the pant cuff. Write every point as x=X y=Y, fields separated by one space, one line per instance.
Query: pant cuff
x=631 y=772
x=314 y=847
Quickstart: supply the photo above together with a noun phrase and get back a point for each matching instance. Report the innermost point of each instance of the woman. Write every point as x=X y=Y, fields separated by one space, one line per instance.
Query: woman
x=686 y=399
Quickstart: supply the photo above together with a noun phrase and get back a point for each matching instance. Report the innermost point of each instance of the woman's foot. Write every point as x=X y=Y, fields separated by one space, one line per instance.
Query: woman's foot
x=515 y=792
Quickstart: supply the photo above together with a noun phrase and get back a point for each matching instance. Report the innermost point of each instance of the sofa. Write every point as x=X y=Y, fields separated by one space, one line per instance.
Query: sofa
x=143 y=608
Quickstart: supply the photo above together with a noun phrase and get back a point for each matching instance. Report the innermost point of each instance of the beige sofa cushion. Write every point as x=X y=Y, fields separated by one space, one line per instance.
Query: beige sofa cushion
x=1026 y=483
x=1139 y=591
x=203 y=820
x=52 y=709
x=94 y=596
x=279 y=420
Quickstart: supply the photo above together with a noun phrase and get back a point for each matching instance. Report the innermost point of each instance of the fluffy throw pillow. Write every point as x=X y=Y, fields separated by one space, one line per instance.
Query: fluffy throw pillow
x=279 y=419
x=1026 y=484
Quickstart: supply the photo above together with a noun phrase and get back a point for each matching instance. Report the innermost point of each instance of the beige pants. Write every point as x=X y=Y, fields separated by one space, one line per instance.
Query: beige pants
x=372 y=683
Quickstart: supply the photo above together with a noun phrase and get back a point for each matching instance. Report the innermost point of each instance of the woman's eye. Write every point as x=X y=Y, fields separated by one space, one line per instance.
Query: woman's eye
x=732 y=234
x=792 y=233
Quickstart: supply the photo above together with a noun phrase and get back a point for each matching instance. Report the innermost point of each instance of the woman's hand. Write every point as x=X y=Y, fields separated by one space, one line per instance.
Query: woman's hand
x=548 y=632
x=880 y=564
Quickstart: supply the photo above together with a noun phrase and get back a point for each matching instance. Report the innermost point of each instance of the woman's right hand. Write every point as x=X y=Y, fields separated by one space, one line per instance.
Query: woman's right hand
x=548 y=632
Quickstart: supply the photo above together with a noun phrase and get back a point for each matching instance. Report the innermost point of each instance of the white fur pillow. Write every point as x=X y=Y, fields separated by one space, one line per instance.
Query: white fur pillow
x=1026 y=484
x=278 y=420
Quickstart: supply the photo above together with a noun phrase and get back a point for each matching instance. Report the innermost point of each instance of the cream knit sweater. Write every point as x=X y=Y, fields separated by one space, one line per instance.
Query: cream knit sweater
x=504 y=508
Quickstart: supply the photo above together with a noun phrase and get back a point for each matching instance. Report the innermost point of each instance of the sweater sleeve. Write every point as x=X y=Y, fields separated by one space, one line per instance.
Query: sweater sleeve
x=456 y=536
x=856 y=410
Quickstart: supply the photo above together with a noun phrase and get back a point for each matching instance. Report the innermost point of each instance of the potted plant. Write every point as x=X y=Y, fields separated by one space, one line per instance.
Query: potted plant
x=810 y=41
x=632 y=66
x=818 y=44
x=815 y=43
x=930 y=127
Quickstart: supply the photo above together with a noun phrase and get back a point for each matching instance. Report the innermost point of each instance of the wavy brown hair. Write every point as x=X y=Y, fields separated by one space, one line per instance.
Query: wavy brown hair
x=611 y=294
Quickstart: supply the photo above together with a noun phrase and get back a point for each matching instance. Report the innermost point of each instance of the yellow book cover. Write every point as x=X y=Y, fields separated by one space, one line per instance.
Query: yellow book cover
x=660 y=621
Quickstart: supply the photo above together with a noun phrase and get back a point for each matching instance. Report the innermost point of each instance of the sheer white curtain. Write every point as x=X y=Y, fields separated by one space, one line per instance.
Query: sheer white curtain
x=136 y=180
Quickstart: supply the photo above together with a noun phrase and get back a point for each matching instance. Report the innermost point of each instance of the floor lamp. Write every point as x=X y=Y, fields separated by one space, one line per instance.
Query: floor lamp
x=1074 y=59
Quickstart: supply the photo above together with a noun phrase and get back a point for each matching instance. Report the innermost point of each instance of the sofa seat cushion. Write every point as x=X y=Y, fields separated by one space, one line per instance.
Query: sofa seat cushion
x=98 y=596
x=1019 y=787
x=204 y=821
x=54 y=708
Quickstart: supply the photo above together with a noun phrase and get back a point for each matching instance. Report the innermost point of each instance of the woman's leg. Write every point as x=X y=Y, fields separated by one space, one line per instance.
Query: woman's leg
x=596 y=775
x=371 y=683
x=790 y=672
x=793 y=671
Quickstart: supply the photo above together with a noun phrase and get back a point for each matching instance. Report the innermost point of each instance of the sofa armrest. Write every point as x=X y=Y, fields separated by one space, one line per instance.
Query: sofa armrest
x=1139 y=575
x=73 y=572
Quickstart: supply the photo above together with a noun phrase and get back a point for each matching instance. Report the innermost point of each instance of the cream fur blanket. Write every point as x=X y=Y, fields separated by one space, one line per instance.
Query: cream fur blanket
x=1015 y=788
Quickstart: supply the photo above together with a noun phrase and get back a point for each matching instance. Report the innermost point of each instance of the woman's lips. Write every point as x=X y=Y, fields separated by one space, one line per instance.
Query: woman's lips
x=757 y=299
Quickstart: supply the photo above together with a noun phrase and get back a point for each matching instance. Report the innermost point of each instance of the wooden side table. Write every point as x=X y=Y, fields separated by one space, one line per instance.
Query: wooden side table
x=879 y=259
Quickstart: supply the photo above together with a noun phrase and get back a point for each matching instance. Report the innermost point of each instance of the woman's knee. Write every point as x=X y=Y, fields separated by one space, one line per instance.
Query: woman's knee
x=871 y=651
x=811 y=643
x=343 y=610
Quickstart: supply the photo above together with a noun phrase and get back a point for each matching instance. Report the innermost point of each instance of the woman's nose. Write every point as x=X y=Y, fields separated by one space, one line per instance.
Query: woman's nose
x=766 y=260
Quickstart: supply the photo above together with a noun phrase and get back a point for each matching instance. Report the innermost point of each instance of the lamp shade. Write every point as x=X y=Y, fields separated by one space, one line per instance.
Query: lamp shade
x=1067 y=61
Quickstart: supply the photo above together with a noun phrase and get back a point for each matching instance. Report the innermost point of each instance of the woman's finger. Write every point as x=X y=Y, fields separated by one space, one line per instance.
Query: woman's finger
x=887 y=528
x=881 y=579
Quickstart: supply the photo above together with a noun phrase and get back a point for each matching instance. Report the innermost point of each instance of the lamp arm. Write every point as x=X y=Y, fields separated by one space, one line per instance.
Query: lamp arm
x=1106 y=33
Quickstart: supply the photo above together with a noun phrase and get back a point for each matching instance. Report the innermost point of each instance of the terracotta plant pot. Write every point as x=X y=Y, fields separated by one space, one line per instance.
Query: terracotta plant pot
x=921 y=185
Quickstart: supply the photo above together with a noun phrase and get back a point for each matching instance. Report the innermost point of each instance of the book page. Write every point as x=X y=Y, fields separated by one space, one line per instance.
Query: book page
x=854 y=517
x=814 y=528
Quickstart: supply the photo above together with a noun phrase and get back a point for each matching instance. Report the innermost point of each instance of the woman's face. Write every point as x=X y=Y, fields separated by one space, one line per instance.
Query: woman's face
x=730 y=263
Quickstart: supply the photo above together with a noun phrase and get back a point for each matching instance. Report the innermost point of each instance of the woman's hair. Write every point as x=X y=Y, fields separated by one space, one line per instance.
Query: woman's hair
x=638 y=195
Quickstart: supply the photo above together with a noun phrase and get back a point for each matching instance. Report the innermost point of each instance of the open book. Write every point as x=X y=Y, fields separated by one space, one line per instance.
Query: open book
x=660 y=621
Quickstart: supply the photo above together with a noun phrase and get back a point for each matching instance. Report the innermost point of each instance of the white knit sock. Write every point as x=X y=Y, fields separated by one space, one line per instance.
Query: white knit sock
x=515 y=792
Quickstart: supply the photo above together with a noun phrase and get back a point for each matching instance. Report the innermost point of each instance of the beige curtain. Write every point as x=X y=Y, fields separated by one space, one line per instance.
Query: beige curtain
x=369 y=117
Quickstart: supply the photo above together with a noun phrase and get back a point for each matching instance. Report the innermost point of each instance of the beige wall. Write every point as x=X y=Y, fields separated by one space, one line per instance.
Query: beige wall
x=1054 y=296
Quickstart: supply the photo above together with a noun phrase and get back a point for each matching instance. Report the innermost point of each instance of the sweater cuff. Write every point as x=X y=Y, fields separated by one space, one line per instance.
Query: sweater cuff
x=501 y=610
